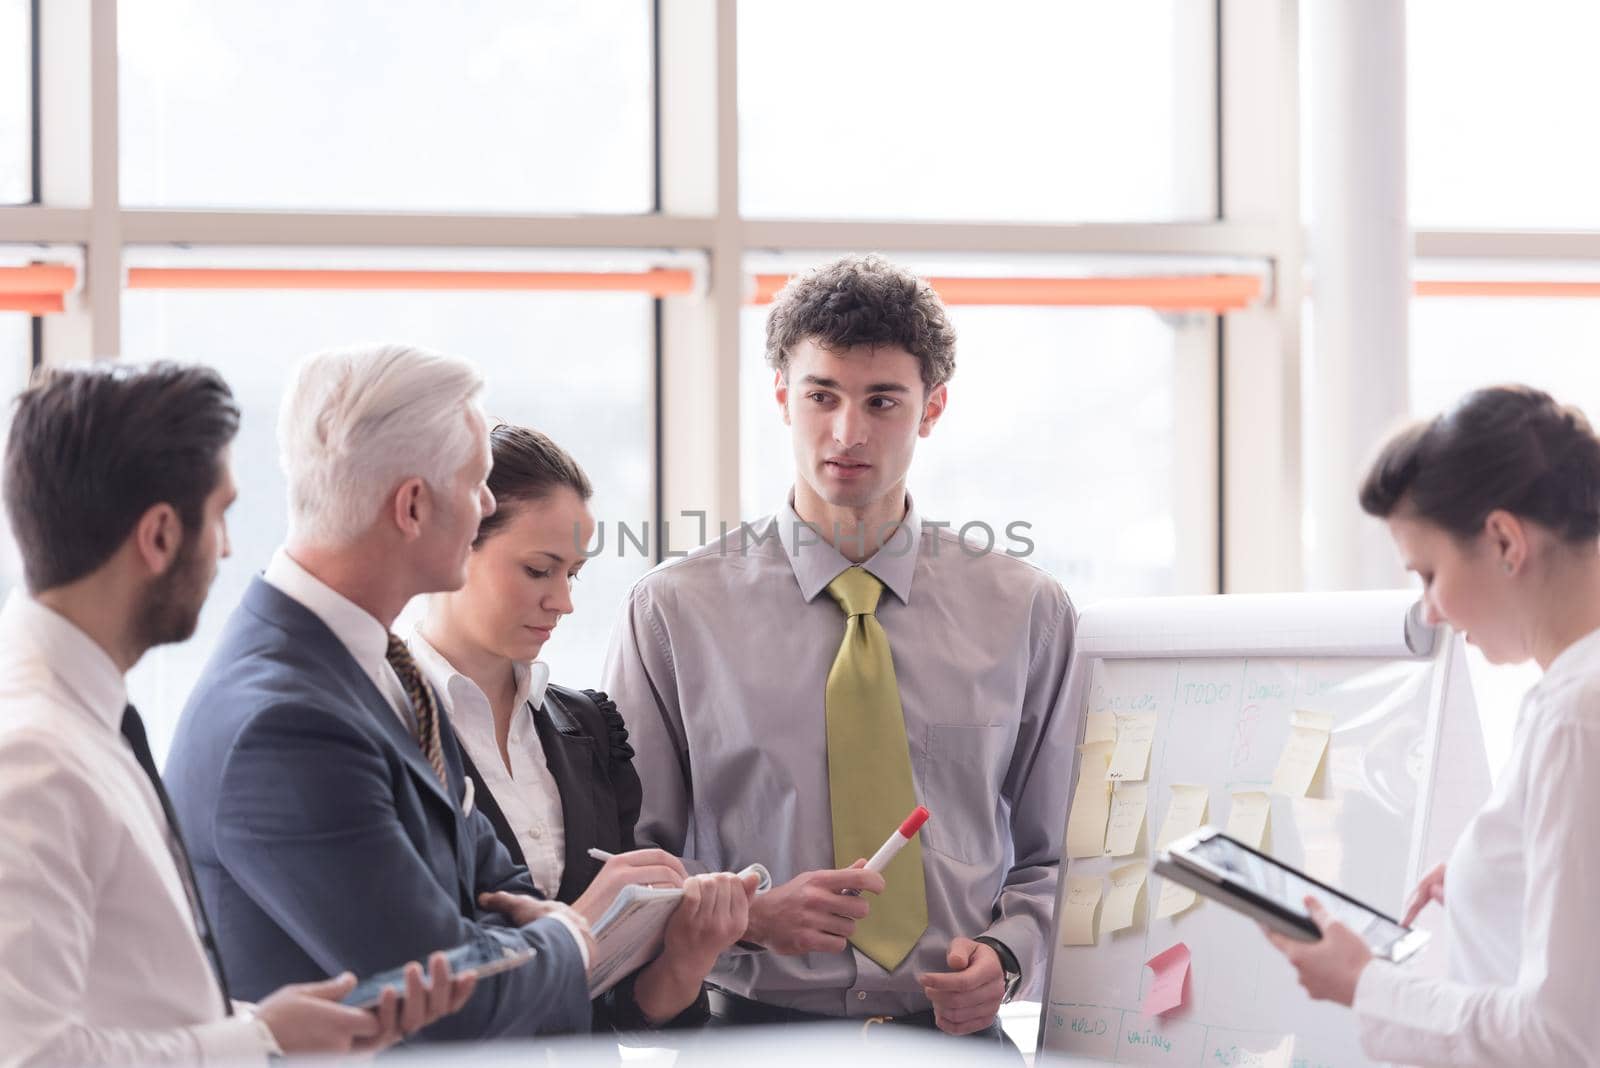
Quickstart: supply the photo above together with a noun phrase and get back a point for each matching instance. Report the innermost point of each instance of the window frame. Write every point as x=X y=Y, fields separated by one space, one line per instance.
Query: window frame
x=1249 y=356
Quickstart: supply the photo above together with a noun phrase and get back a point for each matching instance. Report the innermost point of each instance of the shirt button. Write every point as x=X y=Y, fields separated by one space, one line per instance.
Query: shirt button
x=535 y=832
x=861 y=995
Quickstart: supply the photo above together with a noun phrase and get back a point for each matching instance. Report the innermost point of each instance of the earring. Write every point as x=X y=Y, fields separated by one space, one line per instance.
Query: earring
x=1506 y=567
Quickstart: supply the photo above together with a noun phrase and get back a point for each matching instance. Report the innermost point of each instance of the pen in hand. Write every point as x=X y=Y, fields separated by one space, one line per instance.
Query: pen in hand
x=897 y=841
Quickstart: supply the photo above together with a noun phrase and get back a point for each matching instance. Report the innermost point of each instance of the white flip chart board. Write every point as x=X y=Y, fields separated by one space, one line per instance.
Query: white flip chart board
x=1226 y=679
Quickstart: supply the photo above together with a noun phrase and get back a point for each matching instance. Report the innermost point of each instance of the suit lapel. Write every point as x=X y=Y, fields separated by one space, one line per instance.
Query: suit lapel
x=330 y=654
x=484 y=800
x=569 y=753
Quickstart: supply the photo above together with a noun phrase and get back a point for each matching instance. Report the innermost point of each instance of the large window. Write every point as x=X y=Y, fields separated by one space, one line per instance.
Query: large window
x=1059 y=418
x=16 y=102
x=493 y=106
x=1027 y=110
x=577 y=366
x=1500 y=114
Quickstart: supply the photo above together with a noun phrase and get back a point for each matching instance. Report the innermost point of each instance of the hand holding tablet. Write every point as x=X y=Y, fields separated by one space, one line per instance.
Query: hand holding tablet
x=1275 y=895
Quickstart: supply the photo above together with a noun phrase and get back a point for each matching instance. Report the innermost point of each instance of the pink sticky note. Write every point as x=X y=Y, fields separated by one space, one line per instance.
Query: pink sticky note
x=1171 y=967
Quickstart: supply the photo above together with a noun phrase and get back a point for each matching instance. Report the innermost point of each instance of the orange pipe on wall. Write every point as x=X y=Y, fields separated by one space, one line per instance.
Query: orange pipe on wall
x=1464 y=288
x=1217 y=292
x=656 y=282
x=38 y=278
x=33 y=303
x=36 y=289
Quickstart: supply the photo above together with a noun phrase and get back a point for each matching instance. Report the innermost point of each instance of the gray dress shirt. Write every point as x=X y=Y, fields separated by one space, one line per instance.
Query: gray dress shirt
x=719 y=663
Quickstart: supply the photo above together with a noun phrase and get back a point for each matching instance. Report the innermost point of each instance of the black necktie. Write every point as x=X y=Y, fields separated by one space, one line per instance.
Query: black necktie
x=133 y=730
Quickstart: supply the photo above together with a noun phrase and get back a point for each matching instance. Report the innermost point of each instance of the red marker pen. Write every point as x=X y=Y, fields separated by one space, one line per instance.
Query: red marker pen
x=898 y=840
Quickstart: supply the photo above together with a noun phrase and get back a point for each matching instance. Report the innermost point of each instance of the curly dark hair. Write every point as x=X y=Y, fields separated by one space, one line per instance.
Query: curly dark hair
x=863 y=300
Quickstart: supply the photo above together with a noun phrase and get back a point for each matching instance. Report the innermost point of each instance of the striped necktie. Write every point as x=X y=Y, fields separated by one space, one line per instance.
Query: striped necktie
x=424 y=706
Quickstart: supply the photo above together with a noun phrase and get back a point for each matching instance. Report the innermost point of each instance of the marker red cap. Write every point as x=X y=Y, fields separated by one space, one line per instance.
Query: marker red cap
x=898 y=840
x=913 y=823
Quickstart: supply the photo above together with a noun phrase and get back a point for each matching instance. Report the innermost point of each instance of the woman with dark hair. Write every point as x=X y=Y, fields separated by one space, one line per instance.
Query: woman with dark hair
x=1496 y=506
x=551 y=767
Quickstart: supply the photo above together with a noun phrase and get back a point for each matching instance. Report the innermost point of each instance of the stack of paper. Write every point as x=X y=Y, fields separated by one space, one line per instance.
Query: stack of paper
x=630 y=933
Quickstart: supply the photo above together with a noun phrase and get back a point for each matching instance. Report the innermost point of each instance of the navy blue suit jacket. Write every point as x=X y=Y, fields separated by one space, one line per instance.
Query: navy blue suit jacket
x=322 y=840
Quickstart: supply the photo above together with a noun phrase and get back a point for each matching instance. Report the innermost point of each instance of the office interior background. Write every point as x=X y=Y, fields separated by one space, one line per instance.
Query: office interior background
x=1200 y=253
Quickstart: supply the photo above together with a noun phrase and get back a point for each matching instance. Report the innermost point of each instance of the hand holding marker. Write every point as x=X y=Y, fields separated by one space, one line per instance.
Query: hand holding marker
x=895 y=842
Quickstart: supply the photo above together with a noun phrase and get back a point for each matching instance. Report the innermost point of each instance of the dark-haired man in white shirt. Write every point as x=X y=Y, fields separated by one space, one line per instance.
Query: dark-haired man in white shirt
x=116 y=483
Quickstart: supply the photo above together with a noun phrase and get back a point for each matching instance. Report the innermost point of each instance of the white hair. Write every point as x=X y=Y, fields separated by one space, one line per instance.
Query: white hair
x=356 y=422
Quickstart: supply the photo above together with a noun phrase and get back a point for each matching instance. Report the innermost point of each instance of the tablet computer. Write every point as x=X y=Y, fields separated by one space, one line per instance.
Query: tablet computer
x=1272 y=893
x=480 y=958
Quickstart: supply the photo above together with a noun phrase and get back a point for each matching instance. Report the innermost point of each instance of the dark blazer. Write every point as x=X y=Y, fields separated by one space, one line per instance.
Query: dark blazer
x=586 y=748
x=322 y=839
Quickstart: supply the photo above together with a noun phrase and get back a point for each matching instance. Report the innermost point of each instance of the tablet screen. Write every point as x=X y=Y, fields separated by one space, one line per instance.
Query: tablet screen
x=1287 y=888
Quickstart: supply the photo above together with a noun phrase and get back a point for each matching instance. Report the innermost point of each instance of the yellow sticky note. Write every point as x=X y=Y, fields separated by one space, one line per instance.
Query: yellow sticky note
x=1247 y=816
x=1100 y=727
x=1077 y=910
x=1135 y=731
x=1127 y=884
x=1126 y=819
x=1091 y=803
x=1185 y=813
x=1174 y=899
x=1302 y=753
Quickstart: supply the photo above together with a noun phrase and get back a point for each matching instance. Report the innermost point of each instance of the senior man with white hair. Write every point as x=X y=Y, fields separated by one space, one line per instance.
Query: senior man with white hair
x=319 y=790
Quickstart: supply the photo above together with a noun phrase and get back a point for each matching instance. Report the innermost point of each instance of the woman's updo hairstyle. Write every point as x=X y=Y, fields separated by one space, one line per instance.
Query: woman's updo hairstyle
x=528 y=467
x=1505 y=447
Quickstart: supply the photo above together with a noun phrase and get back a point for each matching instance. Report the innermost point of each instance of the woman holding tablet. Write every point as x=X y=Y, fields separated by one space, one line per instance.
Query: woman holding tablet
x=1496 y=506
x=551 y=767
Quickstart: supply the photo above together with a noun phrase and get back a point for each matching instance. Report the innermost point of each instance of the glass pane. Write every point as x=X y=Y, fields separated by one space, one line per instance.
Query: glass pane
x=1059 y=418
x=498 y=105
x=16 y=101
x=1459 y=344
x=1496 y=113
x=16 y=364
x=577 y=366
x=938 y=109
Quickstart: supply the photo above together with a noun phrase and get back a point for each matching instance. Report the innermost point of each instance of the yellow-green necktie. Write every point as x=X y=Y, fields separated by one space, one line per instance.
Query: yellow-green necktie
x=869 y=771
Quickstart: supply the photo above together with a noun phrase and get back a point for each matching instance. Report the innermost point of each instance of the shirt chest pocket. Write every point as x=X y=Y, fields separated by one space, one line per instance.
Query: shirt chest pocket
x=962 y=767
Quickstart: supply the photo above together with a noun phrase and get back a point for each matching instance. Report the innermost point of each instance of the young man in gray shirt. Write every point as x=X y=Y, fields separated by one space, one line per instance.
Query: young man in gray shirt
x=794 y=688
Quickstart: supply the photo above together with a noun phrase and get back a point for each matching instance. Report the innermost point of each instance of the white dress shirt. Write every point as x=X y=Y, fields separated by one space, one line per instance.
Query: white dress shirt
x=99 y=959
x=527 y=794
x=1522 y=903
x=367 y=642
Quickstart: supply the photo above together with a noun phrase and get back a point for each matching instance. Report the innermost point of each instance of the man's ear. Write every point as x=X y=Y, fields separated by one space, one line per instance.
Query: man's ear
x=780 y=390
x=933 y=408
x=158 y=537
x=413 y=505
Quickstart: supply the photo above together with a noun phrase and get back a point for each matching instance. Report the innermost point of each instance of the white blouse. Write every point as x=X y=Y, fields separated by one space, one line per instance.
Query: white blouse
x=1522 y=904
x=527 y=794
